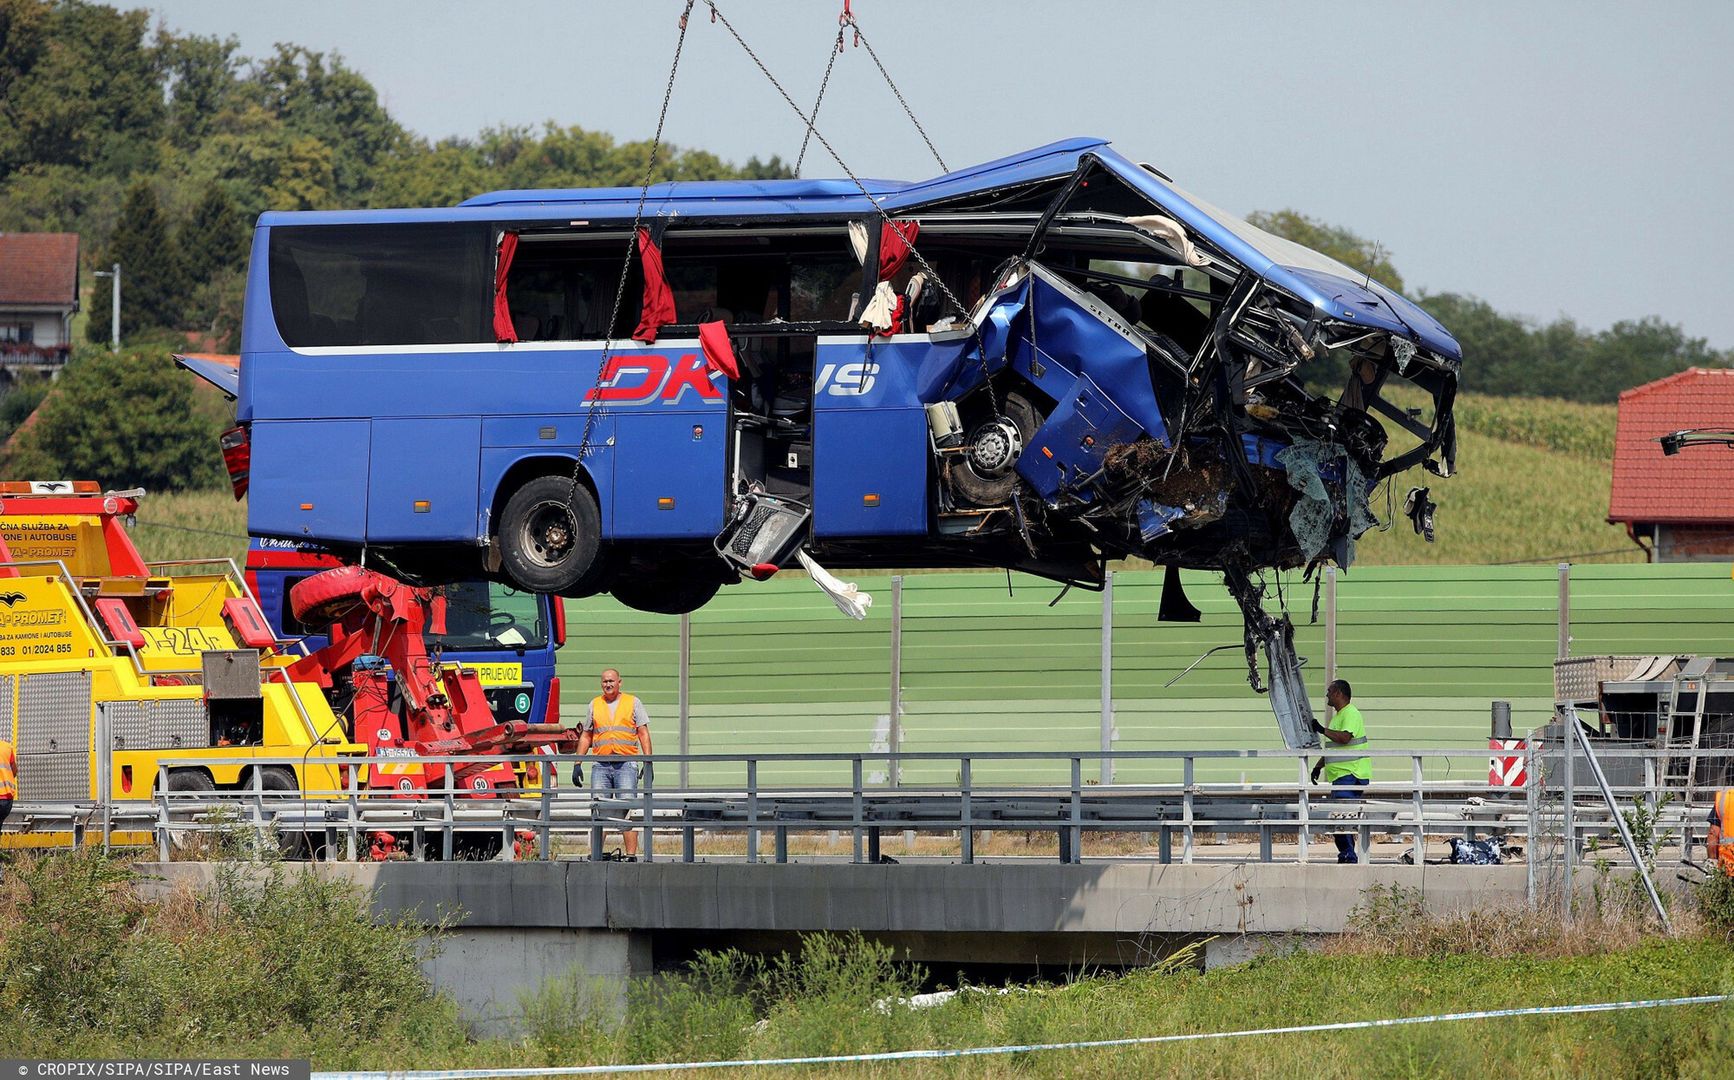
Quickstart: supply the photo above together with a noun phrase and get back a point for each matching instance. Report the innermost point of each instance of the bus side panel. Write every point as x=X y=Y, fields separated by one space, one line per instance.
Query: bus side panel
x=870 y=472
x=423 y=477
x=668 y=475
x=309 y=478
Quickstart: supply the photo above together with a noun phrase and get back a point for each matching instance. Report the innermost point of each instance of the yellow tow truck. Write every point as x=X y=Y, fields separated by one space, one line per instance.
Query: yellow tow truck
x=109 y=665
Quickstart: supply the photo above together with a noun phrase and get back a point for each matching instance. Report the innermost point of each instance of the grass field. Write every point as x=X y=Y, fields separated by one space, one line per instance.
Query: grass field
x=191 y=525
x=1532 y=485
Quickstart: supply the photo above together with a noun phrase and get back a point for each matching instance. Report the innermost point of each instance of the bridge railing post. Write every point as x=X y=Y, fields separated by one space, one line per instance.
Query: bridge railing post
x=446 y=839
x=752 y=810
x=649 y=842
x=1188 y=774
x=1074 y=851
x=966 y=832
x=855 y=810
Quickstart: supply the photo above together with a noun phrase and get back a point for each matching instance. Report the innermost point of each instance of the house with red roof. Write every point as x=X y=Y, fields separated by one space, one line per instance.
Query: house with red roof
x=38 y=294
x=1678 y=508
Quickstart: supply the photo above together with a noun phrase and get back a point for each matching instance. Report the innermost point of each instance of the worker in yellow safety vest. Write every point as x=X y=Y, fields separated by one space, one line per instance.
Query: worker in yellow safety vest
x=1720 y=845
x=617 y=729
x=1346 y=774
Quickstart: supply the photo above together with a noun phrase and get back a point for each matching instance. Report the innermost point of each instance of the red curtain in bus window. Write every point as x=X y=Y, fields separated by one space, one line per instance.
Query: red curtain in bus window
x=895 y=239
x=719 y=352
x=503 y=328
x=658 y=308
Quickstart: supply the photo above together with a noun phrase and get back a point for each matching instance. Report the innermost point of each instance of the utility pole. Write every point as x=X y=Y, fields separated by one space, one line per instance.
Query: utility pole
x=114 y=313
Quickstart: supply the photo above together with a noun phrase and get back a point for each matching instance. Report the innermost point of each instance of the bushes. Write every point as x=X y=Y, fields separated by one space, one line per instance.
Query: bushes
x=123 y=420
x=267 y=957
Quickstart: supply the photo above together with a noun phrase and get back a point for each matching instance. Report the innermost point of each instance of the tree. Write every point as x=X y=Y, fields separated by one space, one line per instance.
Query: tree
x=123 y=420
x=153 y=290
x=1364 y=255
x=328 y=106
x=214 y=237
x=201 y=76
x=1504 y=354
x=81 y=87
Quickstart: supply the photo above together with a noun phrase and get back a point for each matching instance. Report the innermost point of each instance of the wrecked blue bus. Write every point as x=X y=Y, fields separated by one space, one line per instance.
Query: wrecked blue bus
x=1043 y=362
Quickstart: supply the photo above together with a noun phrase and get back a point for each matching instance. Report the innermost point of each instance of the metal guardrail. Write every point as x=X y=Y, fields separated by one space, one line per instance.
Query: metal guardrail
x=1286 y=818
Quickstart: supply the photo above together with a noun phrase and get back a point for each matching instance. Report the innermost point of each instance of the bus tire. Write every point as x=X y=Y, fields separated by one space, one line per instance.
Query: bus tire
x=550 y=533
x=683 y=589
x=993 y=488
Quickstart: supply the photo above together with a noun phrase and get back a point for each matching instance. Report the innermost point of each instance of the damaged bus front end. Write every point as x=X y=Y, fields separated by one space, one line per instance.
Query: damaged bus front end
x=1149 y=378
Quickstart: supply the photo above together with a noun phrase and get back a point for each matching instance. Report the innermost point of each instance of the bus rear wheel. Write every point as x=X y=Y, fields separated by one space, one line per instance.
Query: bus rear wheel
x=673 y=589
x=550 y=534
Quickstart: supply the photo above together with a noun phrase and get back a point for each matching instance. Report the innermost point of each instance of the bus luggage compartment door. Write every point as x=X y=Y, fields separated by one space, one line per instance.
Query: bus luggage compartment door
x=309 y=479
x=423 y=479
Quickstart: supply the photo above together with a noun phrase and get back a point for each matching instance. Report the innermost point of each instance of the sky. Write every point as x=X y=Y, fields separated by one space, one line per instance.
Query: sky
x=1556 y=159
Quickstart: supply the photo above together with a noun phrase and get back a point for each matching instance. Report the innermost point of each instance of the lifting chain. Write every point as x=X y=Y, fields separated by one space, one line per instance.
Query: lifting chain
x=927 y=268
x=592 y=399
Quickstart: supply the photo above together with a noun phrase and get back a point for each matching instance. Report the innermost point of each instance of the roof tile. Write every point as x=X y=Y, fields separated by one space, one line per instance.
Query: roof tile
x=39 y=268
x=1696 y=486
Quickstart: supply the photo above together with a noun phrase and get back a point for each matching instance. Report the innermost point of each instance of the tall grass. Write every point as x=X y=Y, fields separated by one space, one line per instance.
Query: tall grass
x=191 y=525
x=273 y=962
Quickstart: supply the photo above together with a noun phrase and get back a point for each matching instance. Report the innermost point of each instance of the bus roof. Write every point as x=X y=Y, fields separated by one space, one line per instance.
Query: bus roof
x=723 y=197
x=1331 y=287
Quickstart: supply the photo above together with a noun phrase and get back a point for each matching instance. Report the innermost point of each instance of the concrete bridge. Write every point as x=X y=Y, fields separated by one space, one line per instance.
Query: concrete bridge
x=520 y=924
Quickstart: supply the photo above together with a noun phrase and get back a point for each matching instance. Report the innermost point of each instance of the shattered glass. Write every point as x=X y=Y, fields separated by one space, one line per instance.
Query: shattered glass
x=1315 y=515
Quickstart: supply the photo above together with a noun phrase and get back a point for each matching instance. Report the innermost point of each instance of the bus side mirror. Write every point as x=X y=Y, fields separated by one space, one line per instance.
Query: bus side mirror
x=559 y=620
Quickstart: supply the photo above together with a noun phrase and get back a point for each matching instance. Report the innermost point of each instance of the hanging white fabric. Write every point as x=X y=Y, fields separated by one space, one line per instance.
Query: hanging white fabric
x=850 y=600
x=881 y=312
x=1173 y=232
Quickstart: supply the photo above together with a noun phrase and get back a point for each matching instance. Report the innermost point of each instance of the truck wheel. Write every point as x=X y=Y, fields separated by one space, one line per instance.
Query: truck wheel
x=191 y=780
x=549 y=535
x=276 y=778
x=985 y=474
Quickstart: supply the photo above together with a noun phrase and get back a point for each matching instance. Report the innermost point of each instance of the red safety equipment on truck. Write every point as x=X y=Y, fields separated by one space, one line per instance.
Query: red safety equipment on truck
x=119 y=622
x=248 y=622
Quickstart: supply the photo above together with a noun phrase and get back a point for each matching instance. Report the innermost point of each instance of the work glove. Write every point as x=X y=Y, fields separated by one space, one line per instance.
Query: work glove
x=578 y=773
x=1319 y=728
x=646 y=770
x=1316 y=769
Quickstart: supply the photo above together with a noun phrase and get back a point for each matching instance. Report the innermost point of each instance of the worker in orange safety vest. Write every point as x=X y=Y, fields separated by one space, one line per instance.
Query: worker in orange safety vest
x=8 y=779
x=617 y=729
x=1720 y=845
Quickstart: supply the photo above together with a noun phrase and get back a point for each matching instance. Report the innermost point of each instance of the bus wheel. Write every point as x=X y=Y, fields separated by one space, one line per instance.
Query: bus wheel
x=549 y=535
x=985 y=474
x=681 y=588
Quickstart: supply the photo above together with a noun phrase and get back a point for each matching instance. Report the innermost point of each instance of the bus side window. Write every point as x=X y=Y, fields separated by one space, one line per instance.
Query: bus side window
x=822 y=286
x=562 y=288
x=380 y=284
